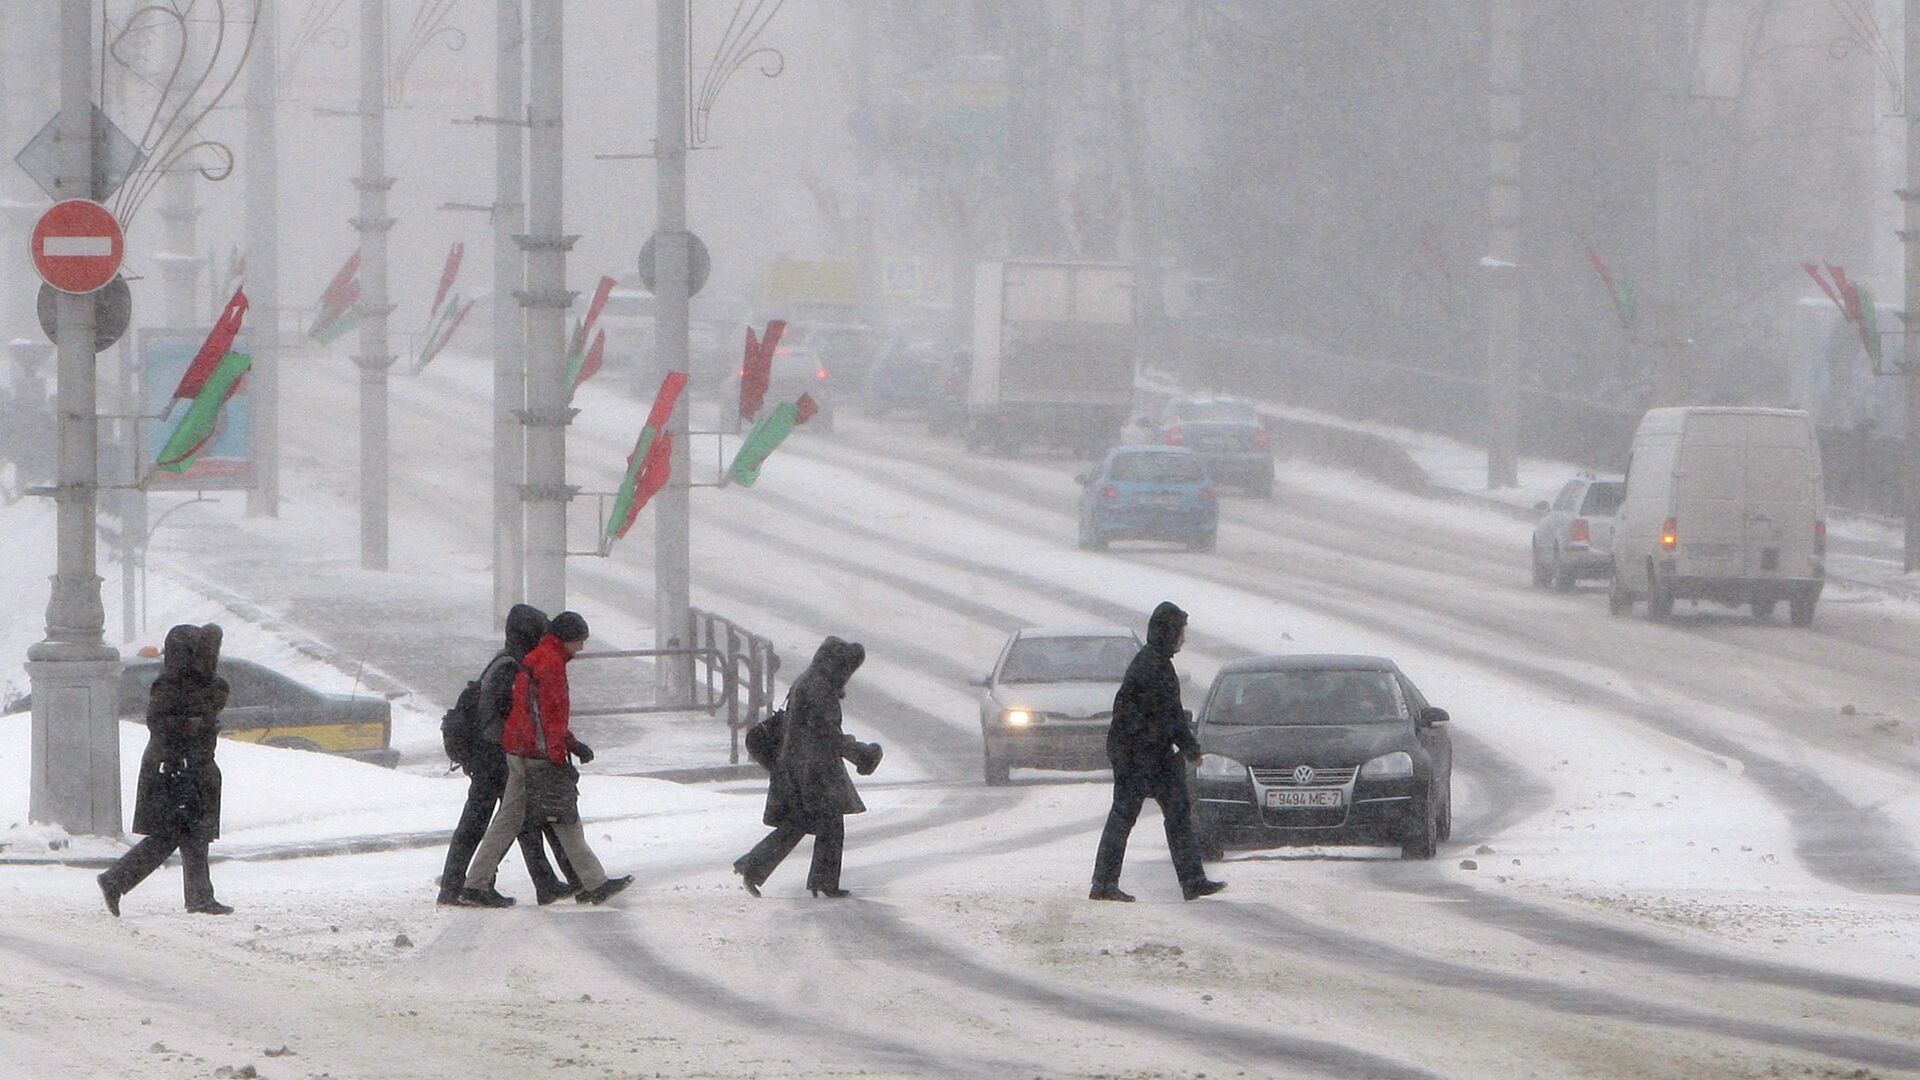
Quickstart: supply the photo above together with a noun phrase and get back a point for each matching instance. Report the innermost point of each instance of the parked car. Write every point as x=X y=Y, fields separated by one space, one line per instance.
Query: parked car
x=1048 y=701
x=1321 y=750
x=948 y=410
x=268 y=707
x=908 y=374
x=1573 y=540
x=1722 y=504
x=846 y=349
x=1148 y=493
x=1228 y=435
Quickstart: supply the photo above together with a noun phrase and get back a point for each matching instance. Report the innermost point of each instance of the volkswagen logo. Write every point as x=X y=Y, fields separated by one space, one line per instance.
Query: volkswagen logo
x=1303 y=774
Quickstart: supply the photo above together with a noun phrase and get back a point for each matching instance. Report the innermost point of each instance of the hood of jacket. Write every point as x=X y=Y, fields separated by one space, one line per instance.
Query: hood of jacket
x=192 y=651
x=837 y=660
x=526 y=625
x=1163 y=628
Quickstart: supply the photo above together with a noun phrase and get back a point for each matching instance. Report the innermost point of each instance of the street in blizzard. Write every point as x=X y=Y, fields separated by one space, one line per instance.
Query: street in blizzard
x=993 y=539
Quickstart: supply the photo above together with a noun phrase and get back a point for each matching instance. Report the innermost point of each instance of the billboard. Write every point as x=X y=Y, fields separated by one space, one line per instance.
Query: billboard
x=227 y=459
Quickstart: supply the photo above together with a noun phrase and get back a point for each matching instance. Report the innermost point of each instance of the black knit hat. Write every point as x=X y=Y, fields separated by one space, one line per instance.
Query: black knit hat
x=568 y=626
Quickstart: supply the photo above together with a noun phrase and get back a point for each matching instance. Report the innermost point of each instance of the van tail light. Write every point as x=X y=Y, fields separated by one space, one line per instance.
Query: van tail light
x=1669 y=535
x=1262 y=440
x=821 y=373
x=1819 y=538
x=1578 y=534
x=1176 y=437
x=1207 y=494
x=1109 y=492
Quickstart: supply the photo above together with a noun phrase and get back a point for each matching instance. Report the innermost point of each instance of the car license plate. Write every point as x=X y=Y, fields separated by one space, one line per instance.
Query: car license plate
x=1316 y=797
x=1160 y=499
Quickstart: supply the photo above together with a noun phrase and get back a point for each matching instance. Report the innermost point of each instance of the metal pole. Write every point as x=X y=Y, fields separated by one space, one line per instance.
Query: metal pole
x=263 y=262
x=509 y=320
x=1669 y=31
x=1503 y=244
x=75 y=755
x=373 y=225
x=672 y=564
x=180 y=263
x=1911 y=315
x=546 y=300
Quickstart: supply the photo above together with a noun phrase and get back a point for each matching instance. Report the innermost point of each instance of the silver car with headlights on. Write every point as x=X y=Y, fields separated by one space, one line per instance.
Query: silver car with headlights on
x=1321 y=750
x=1048 y=701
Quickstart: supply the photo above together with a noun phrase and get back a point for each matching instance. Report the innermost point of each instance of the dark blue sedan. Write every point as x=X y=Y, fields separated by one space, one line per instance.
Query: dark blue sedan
x=1148 y=493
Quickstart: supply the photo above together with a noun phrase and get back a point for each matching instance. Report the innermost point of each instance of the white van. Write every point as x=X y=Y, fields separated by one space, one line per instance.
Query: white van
x=1722 y=504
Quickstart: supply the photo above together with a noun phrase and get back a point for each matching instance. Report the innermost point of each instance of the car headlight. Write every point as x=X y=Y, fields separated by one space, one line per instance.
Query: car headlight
x=1018 y=717
x=1219 y=767
x=1389 y=766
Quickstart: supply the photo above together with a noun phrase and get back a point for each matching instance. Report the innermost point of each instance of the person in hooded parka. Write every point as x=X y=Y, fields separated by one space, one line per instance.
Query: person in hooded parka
x=808 y=790
x=487 y=776
x=177 y=798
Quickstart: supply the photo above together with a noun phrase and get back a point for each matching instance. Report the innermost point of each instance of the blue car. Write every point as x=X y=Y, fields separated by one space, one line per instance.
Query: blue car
x=1148 y=493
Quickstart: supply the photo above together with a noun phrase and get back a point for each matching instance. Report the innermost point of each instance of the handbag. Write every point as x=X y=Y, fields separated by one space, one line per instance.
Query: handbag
x=553 y=791
x=764 y=738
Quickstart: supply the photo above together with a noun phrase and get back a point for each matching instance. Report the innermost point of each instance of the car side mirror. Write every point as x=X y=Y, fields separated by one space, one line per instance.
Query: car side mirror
x=1083 y=479
x=1431 y=715
x=1144 y=421
x=979 y=680
x=1543 y=506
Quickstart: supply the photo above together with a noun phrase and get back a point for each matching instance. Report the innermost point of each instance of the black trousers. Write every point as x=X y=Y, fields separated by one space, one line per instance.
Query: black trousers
x=151 y=852
x=483 y=794
x=829 y=843
x=1133 y=784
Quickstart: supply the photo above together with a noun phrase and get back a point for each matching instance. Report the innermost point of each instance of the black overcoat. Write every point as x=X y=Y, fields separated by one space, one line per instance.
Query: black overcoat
x=183 y=726
x=1148 y=722
x=809 y=784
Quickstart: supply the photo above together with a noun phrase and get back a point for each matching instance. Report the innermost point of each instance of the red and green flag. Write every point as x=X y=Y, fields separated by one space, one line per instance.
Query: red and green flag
x=1621 y=292
x=212 y=351
x=336 y=314
x=1855 y=303
x=756 y=370
x=583 y=360
x=651 y=462
x=446 y=319
x=448 y=274
x=581 y=368
x=202 y=420
x=766 y=437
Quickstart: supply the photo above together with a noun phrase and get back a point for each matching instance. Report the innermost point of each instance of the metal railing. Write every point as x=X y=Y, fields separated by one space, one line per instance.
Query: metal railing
x=734 y=676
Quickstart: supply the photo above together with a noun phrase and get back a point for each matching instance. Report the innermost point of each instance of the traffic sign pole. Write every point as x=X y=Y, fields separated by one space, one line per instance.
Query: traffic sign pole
x=75 y=746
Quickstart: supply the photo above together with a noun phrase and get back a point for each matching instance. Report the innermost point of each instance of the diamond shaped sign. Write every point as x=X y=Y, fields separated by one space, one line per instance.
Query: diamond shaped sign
x=115 y=157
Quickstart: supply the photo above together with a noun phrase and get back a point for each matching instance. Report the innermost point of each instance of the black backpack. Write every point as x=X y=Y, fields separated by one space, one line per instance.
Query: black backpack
x=470 y=723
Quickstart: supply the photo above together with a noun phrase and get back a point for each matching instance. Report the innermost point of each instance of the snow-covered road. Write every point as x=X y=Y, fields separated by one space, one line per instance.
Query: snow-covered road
x=1690 y=859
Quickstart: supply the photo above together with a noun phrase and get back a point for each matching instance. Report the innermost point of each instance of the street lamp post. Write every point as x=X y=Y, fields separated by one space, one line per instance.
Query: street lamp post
x=672 y=558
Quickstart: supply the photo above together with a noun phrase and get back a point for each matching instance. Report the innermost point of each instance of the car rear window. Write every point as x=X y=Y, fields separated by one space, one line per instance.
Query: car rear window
x=1306 y=697
x=1157 y=469
x=1226 y=412
x=1068 y=659
x=1603 y=498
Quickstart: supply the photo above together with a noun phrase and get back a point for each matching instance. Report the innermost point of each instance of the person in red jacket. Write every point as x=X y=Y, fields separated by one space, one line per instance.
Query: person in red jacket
x=539 y=743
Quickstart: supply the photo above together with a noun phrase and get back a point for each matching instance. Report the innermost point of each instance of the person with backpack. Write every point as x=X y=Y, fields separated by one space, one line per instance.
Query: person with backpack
x=177 y=800
x=808 y=790
x=471 y=732
x=542 y=783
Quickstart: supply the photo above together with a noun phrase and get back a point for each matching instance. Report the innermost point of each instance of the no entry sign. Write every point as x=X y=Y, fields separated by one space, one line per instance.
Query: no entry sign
x=77 y=246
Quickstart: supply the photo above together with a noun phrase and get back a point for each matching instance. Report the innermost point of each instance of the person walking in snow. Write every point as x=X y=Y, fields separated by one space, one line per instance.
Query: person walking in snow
x=486 y=767
x=808 y=789
x=177 y=797
x=1148 y=728
x=541 y=780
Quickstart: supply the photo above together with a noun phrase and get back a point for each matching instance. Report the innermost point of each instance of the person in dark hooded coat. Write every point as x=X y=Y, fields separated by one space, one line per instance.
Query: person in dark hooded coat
x=1145 y=742
x=487 y=773
x=808 y=790
x=177 y=797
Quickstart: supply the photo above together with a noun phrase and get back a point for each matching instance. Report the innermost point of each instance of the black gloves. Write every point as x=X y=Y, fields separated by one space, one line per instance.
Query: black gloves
x=866 y=758
x=581 y=750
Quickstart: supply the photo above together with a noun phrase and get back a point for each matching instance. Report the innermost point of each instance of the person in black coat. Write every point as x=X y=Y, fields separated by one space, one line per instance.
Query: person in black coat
x=487 y=778
x=1148 y=736
x=177 y=798
x=808 y=790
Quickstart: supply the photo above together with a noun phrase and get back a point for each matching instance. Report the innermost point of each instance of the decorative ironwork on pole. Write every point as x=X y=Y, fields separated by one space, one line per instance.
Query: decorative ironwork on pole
x=738 y=45
x=157 y=44
x=429 y=25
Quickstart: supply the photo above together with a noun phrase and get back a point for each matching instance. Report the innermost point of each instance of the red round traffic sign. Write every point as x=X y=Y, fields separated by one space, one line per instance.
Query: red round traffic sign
x=77 y=246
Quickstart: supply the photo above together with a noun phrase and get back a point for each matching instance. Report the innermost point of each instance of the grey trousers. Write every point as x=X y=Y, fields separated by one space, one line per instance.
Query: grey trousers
x=504 y=829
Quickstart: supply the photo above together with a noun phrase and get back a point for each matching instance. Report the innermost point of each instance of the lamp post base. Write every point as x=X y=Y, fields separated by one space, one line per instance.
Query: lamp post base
x=76 y=737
